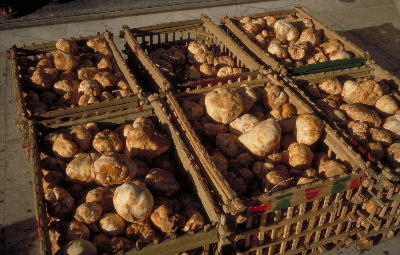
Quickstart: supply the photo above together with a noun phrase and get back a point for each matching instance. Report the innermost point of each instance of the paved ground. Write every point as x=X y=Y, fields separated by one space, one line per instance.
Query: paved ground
x=373 y=24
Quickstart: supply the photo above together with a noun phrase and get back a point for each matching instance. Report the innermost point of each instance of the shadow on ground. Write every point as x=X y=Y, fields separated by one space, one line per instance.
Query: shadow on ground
x=382 y=42
x=18 y=238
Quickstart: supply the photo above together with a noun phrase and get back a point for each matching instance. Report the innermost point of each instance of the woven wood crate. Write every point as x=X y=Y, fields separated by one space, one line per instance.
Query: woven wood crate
x=379 y=216
x=202 y=242
x=20 y=88
x=231 y=26
x=141 y=41
x=313 y=217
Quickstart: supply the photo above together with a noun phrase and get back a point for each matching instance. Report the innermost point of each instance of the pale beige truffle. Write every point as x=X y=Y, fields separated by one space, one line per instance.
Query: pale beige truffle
x=105 y=64
x=285 y=31
x=331 y=46
x=224 y=61
x=331 y=86
x=107 y=141
x=106 y=80
x=361 y=91
x=393 y=154
x=88 y=212
x=64 y=61
x=362 y=113
x=194 y=220
x=162 y=182
x=387 y=104
x=297 y=51
x=99 y=45
x=263 y=139
x=60 y=203
x=123 y=84
x=102 y=196
x=331 y=168
x=192 y=109
x=309 y=128
x=77 y=230
x=223 y=105
x=227 y=70
x=392 y=124
x=359 y=130
x=40 y=79
x=87 y=73
x=274 y=178
x=166 y=220
x=275 y=97
x=43 y=61
x=82 y=137
x=79 y=169
x=85 y=100
x=300 y=156
x=113 y=168
x=339 y=54
x=309 y=35
x=207 y=70
x=89 y=88
x=270 y=20
x=251 y=27
x=276 y=49
x=228 y=144
x=79 y=247
x=249 y=96
x=243 y=124
x=63 y=86
x=67 y=46
x=284 y=111
x=112 y=224
x=63 y=147
x=133 y=201
x=144 y=142
x=376 y=149
x=382 y=136
x=140 y=231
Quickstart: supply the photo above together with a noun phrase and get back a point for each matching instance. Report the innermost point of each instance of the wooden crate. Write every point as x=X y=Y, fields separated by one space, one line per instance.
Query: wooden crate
x=232 y=28
x=379 y=216
x=24 y=114
x=326 y=205
x=140 y=41
x=203 y=242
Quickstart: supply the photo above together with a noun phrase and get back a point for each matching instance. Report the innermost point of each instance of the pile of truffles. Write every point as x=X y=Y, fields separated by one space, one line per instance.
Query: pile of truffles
x=77 y=73
x=110 y=191
x=369 y=109
x=258 y=140
x=292 y=41
x=195 y=61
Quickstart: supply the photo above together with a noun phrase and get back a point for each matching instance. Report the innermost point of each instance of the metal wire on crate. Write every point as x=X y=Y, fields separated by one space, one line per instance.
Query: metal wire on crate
x=272 y=189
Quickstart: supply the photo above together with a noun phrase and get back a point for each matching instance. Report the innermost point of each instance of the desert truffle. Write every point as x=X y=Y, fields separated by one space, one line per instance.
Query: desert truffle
x=80 y=168
x=364 y=92
x=64 y=61
x=362 y=113
x=89 y=88
x=59 y=202
x=392 y=124
x=88 y=212
x=79 y=247
x=243 y=124
x=309 y=128
x=162 y=182
x=112 y=224
x=63 y=147
x=77 y=230
x=263 y=139
x=387 y=104
x=393 y=154
x=112 y=168
x=133 y=201
x=107 y=141
x=166 y=220
x=300 y=156
x=331 y=86
x=82 y=137
x=275 y=97
x=144 y=142
x=102 y=196
x=67 y=46
x=140 y=231
x=223 y=105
